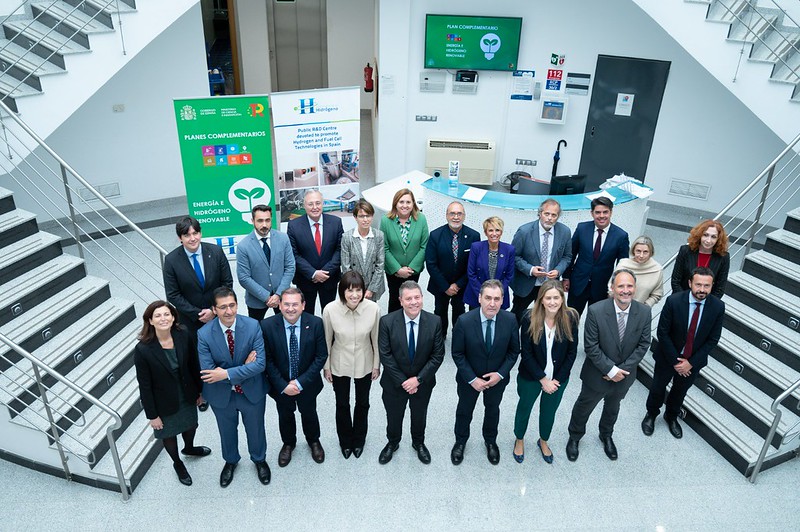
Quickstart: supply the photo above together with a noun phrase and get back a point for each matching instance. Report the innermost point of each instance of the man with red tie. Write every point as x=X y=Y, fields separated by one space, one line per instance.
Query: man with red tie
x=689 y=328
x=315 y=239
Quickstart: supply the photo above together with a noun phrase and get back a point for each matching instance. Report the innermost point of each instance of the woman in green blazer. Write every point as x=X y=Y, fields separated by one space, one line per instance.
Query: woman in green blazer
x=405 y=233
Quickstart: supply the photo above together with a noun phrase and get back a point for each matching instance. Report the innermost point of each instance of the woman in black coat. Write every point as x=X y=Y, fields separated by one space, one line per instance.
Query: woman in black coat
x=708 y=247
x=168 y=372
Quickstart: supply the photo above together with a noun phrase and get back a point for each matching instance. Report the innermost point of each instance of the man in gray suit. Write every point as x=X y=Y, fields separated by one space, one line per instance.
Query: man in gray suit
x=616 y=338
x=543 y=251
x=264 y=264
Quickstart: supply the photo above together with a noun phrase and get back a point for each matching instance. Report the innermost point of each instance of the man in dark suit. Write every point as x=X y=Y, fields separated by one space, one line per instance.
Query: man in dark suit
x=596 y=248
x=485 y=348
x=315 y=239
x=296 y=352
x=192 y=272
x=543 y=252
x=412 y=349
x=689 y=328
x=446 y=257
x=264 y=264
x=231 y=352
x=616 y=338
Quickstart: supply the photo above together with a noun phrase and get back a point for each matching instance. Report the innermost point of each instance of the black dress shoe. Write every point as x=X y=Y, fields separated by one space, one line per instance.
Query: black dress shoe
x=317 y=452
x=648 y=424
x=493 y=453
x=197 y=451
x=457 y=454
x=264 y=474
x=572 y=450
x=183 y=475
x=423 y=453
x=386 y=454
x=285 y=456
x=357 y=451
x=674 y=428
x=202 y=407
x=226 y=476
x=346 y=452
x=609 y=447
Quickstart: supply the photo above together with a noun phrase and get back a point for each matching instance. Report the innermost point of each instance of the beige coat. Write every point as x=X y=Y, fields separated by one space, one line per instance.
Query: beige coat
x=649 y=280
x=352 y=338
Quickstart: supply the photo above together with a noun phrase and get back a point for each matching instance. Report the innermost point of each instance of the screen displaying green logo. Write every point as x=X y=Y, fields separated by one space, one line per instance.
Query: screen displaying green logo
x=475 y=43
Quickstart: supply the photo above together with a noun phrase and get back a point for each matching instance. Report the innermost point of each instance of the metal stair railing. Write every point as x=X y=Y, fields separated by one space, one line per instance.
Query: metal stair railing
x=32 y=45
x=23 y=162
x=40 y=367
x=783 y=174
x=777 y=413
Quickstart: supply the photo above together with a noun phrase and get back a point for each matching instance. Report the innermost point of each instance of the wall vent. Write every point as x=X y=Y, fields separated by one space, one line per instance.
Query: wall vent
x=109 y=190
x=688 y=189
x=476 y=159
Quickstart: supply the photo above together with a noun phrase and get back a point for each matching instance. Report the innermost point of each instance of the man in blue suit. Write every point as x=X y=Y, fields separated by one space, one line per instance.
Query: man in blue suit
x=531 y=242
x=264 y=264
x=232 y=360
x=596 y=248
x=316 y=239
x=446 y=257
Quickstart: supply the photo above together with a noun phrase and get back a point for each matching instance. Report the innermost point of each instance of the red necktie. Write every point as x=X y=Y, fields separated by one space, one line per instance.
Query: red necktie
x=318 y=239
x=229 y=334
x=598 y=244
x=688 y=348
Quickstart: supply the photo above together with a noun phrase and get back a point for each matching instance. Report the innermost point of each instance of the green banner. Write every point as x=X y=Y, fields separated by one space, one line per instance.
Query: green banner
x=226 y=150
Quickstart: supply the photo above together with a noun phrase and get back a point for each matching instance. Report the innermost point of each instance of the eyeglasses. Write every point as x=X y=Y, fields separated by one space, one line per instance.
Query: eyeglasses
x=223 y=308
x=364 y=216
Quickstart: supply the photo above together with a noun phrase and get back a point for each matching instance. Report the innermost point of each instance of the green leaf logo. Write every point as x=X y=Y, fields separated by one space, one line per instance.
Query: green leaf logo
x=249 y=195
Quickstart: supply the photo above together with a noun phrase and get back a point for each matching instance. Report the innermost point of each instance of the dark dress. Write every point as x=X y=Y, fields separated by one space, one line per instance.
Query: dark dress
x=186 y=416
x=687 y=261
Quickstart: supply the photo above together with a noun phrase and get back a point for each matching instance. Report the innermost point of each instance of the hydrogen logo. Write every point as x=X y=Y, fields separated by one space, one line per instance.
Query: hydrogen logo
x=490 y=44
x=306 y=106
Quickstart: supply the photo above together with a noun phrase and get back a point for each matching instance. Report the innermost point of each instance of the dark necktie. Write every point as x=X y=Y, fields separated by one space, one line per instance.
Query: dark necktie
x=267 y=252
x=598 y=244
x=317 y=239
x=198 y=271
x=688 y=348
x=294 y=352
x=455 y=247
x=229 y=334
x=412 y=344
x=488 y=337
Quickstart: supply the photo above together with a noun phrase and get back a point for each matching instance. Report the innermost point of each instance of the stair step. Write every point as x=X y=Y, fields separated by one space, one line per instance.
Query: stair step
x=31 y=32
x=777 y=44
x=14 y=88
x=773 y=269
x=52 y=13
x=792 y=222
x=717 y=11
x=137 y=451
x=759 y=28
x=765 y=333
x=6 y=201
x=27 y=254
x=784 y=244
x=32 y=287
x=107 y=7
x=787 y=70
x=765 y=298
x=26 y=59
x=16 y=225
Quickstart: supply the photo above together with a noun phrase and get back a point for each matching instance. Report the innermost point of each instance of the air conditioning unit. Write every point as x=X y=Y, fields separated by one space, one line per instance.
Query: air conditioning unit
x=475 y=157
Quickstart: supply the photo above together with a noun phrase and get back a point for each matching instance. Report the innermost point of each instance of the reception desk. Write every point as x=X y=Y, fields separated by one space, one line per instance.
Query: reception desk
x=434 y=194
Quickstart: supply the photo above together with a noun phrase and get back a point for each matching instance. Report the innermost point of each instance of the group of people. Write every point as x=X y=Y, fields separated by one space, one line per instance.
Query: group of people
x=196 y=349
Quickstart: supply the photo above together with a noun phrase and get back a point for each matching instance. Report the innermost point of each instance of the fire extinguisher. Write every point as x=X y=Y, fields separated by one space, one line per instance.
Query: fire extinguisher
x=368 y=83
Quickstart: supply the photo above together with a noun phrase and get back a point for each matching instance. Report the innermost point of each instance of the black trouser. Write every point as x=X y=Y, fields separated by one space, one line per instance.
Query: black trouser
x=306 y=403
x=442 y=301
x=352 y=431
x=259 y=313
x=394 y=401
x=580 y=301
x=394 y=282
x=663 y=374
x=521 y=303
x=467 y=397
x=586 y=403
x=326 y=291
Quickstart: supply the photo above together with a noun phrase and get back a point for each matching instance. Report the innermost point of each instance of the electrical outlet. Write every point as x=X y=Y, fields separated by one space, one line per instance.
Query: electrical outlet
x=526 y=162
x=118 y=108
x=420 y=118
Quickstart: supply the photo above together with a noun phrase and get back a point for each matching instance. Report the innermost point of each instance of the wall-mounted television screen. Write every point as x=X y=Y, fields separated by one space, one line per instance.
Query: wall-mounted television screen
x=472 y=43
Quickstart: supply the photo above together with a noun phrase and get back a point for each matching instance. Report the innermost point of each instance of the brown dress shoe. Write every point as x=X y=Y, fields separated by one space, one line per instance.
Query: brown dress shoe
x=285 y=456
x=317 y=452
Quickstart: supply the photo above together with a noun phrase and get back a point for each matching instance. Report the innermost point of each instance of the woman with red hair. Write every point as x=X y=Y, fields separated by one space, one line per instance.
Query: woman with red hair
x=707 y=247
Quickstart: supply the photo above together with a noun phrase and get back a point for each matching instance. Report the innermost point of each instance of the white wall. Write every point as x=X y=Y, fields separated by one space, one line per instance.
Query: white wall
x=705 y=135
x=251 y=27
x=351 y=34
x=10 y=6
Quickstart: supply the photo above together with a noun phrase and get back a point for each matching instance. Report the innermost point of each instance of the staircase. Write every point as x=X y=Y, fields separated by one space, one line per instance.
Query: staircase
x=756 y=359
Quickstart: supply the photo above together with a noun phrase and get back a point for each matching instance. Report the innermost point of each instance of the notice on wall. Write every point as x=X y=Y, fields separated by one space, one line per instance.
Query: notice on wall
x=522 y=85
x=578 y=83
x=226 y=153
x=317 y=147
x=624 y=104
x=554 y=80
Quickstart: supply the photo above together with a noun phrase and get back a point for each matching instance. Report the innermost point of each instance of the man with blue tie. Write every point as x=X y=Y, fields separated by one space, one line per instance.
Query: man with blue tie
x=232 y=360
x=296 y=352
x=446 y=258
x=596 y=248
x=264 y=264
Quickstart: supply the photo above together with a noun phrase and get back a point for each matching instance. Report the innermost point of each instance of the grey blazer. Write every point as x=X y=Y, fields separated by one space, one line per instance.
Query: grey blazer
x=259 y=279
x=527 y=246
x=371 y=267
x=604 y=349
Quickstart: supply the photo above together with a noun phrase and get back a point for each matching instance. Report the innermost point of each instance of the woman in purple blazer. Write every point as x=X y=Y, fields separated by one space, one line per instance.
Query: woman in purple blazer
x=489 y=259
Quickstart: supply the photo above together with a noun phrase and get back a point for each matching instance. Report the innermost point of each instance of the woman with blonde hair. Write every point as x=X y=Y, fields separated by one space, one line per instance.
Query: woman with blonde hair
x=707 y=247
x=489 y=259
x=649 y=273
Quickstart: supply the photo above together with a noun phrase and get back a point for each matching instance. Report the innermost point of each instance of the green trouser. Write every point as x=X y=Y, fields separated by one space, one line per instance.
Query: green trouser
x=528 y=392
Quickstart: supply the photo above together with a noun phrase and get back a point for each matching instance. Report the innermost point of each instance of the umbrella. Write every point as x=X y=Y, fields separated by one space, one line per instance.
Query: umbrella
x=557 y=156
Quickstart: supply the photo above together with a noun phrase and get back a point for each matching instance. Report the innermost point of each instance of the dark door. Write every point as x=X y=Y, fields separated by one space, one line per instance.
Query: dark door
x=623 y=113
